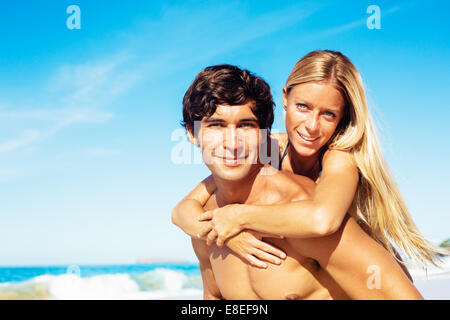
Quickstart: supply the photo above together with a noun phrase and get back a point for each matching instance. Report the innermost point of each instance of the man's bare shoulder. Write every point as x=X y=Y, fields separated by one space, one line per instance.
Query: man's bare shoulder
x=306 y=183
x=292 y=187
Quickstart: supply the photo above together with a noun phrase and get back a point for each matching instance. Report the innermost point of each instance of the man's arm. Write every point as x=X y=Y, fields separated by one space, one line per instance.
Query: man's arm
x=361 y=266
x=185 y=213
x=210 y=289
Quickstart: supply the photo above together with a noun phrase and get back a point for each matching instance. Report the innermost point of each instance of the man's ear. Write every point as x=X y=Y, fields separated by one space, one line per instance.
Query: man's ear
x=284 y=98
x=192 y=138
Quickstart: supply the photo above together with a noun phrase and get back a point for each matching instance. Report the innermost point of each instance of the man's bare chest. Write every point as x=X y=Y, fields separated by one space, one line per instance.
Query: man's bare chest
x=297 y=276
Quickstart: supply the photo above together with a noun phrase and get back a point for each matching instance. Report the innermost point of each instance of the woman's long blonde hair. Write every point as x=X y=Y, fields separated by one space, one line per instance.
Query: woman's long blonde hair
x=377 y=202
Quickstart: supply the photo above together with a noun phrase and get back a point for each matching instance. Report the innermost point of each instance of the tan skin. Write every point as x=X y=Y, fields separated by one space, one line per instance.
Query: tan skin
x=329 y=267
x=313 y=112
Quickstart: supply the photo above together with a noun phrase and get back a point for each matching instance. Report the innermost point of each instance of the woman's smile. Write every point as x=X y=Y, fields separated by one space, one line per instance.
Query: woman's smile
x=307 y=138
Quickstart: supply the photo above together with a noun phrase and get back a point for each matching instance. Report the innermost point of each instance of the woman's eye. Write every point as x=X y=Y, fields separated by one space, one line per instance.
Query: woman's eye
x=330 y=114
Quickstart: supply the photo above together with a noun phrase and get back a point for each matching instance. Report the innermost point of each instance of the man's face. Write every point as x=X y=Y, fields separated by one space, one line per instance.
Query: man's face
x=229 y=140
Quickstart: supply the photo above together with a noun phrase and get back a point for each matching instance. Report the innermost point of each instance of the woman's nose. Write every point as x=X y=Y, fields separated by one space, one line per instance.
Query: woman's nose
x=312 y=123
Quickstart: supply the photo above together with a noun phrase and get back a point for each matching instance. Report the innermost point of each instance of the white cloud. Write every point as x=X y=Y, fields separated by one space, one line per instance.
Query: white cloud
x=204 y=35
x=8 y=174
x=94 y=84
x=59 y=116
x=81 y=93
x=25 y=138
x=360 y=23
x=74 y=94
x=102 y=152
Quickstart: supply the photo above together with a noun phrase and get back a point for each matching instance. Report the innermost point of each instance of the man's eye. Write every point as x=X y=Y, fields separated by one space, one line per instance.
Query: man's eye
x=302 y=106
x=214 y=125
x=330 y=114
x=248 y=125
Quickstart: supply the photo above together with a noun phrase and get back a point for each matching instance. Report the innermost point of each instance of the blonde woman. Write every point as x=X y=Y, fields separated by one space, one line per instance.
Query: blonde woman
x=330 y=139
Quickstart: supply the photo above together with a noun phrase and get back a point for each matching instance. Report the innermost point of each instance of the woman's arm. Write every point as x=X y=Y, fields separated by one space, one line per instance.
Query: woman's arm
x=318 y=216
x=185 y=213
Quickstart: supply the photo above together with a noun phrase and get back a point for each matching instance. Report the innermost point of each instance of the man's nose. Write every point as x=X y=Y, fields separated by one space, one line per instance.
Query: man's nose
x=231 y=138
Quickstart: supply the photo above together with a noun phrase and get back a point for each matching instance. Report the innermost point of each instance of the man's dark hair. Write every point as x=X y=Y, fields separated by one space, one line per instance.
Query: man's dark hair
x=226 y=85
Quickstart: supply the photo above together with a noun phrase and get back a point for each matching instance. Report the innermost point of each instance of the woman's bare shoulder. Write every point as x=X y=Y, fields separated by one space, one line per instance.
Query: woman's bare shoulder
x=340 y=158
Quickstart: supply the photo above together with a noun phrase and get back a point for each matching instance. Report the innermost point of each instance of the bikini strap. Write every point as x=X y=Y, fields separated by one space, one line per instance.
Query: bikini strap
x=321 y=154
x=282 y=157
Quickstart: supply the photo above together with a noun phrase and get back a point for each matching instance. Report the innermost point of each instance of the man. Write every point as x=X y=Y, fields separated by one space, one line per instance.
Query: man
x=231 y=106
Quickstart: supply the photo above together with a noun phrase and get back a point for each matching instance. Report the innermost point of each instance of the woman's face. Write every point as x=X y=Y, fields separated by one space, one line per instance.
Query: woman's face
x=313 y=111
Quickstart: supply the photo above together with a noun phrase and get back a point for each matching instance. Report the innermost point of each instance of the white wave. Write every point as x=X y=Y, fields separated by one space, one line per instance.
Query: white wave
x=155 y=284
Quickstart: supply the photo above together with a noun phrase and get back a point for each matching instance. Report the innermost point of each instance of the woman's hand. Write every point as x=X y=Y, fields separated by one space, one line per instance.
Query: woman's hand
x=250 y=248
x=224 y=224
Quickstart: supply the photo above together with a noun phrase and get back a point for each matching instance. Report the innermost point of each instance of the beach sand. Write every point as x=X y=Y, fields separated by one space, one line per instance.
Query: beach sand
x=434 y=288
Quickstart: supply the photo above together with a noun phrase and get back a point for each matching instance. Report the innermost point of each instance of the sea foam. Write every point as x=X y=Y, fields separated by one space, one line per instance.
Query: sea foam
x=154 y=284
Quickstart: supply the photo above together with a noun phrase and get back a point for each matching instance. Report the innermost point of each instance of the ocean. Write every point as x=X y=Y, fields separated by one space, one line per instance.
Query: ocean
x=134 y=281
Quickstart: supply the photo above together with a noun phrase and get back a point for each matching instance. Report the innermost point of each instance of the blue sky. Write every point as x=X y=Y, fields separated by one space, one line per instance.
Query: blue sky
x=87 y=115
